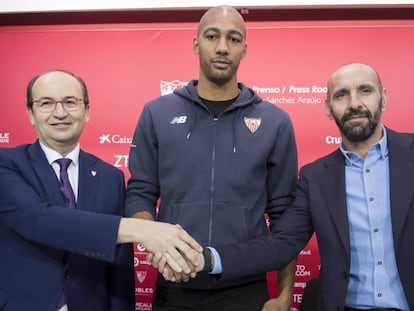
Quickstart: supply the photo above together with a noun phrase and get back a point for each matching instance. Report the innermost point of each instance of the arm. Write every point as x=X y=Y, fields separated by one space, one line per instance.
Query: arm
x=143 y=190
x=33 y=217
x=284 y=300
x=287 y=238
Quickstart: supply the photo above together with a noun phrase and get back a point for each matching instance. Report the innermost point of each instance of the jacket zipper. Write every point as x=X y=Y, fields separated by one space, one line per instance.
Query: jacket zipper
x=213 y=159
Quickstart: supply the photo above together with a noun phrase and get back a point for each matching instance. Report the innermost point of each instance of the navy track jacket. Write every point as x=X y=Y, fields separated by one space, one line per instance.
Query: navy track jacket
x=216 y=177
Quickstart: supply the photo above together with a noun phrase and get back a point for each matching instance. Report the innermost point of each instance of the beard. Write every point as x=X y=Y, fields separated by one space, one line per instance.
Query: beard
x=217 y=76
x=357 y=132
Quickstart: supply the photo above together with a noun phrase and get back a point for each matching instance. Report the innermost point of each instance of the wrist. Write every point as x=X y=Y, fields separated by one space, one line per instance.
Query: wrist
x=208 y=260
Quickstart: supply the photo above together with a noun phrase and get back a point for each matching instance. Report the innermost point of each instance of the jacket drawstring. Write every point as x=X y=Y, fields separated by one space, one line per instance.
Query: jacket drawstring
x=193 y=120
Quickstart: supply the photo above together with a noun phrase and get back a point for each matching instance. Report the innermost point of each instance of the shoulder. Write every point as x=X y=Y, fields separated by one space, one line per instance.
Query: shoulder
x=268 y=107
x=164 y=104
x=14 y=153
x=333 y=158
x=401 y=137
x=97 y=163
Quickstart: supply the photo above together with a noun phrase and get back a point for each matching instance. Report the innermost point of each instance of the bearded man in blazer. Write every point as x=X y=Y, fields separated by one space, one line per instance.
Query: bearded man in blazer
x=359 y=202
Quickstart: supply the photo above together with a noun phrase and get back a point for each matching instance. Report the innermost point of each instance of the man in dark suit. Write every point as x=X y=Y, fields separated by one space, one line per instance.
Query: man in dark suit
x=63 y=255
x=359 y=202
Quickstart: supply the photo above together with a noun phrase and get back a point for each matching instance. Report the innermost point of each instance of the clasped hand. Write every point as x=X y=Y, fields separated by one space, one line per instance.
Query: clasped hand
x=160 y=262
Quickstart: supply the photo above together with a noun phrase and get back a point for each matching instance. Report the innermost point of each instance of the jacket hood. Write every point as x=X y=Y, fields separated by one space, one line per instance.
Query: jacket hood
x=247 y=96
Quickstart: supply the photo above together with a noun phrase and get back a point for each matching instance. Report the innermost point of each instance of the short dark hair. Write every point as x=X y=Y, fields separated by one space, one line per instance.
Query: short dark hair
x=29 y=94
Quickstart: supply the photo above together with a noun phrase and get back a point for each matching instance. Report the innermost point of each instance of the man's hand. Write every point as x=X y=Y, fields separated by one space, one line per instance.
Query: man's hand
x=278 y=304
x=166 y=241
x=169 y=274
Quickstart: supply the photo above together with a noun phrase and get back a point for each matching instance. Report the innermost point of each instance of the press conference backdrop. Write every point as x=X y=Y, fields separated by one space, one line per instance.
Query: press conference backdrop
x=125 y=65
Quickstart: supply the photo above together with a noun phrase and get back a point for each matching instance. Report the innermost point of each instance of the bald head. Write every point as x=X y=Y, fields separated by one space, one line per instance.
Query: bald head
x=221 y=12
x=354 y=71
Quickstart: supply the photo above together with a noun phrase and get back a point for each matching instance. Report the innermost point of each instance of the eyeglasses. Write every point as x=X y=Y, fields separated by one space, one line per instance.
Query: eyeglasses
x=46 y=104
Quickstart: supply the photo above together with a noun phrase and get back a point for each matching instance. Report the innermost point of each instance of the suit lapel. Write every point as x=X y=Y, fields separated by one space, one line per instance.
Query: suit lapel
x=401 y=155
x=88 y=181
x=48 y=182
x=332 y=184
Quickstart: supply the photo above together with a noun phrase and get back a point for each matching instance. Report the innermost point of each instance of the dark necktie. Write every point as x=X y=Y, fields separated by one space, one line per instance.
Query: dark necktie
x=70 y=201
x=65 y=186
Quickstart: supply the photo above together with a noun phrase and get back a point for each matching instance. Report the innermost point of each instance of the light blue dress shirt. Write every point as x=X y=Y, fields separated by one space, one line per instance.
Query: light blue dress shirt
x=374 y=281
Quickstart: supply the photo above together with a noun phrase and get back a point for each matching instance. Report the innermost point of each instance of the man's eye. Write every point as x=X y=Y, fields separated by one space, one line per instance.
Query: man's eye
x=70 y=102
x=235 y=40
x=366 y=91
x=46 y=103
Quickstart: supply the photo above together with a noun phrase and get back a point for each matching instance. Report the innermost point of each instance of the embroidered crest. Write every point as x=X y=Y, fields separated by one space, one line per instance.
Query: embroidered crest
x=141 y=275
x=167 y=87
x=252 y=124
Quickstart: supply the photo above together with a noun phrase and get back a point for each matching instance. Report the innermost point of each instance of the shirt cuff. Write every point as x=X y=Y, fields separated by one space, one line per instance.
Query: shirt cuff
x=217 y=267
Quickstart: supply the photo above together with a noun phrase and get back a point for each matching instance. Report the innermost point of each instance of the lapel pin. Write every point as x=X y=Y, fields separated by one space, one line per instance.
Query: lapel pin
x=93 y=173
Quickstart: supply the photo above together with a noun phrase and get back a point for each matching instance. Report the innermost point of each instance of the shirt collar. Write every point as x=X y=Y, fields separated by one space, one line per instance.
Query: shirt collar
x=53 y=155
x=381 y=147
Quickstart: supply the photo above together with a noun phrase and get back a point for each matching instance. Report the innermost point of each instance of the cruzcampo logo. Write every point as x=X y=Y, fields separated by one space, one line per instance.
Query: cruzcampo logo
x=252 y=124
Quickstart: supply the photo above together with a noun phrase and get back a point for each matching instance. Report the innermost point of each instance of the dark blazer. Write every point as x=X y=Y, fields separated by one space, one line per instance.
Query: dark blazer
x=320 y=206
x=46 y=248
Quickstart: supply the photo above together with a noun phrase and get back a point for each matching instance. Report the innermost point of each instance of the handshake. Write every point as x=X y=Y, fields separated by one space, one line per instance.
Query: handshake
x=190 y=263
x=170 y=249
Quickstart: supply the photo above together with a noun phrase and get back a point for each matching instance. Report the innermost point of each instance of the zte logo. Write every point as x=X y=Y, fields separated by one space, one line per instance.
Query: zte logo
x=179 y=120
x=121 y=160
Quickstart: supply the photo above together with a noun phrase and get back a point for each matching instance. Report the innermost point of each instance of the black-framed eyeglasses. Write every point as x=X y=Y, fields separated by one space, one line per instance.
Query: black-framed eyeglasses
x=47 y=104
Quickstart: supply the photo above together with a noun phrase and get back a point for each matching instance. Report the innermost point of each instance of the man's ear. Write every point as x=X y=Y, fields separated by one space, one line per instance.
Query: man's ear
x=195 y=46
x=328 y=110
x=29 y=112
x=244 y=51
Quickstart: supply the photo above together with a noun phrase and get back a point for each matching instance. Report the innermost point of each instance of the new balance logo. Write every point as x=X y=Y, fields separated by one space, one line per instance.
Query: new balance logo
x=179 y=120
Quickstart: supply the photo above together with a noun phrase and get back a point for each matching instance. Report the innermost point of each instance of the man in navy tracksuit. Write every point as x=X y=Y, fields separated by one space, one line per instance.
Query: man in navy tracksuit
x=218 y=157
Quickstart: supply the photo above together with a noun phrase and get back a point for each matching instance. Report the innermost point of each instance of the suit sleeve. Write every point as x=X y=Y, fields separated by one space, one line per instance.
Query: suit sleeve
x=274 y=251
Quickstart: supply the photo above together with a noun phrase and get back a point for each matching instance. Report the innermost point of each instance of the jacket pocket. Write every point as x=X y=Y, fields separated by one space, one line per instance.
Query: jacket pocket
x=217 y=223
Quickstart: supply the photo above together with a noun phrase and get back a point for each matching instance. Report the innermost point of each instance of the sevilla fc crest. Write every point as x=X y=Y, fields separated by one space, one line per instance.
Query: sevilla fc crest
x=252 y=124
x=141 y=275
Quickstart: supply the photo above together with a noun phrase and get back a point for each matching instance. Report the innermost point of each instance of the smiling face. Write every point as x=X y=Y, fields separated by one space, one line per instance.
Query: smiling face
x=59 y=129
x=220 y=44
x=356 y=100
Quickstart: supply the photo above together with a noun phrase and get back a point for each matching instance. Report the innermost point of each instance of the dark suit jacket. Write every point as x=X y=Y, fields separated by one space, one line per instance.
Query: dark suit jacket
x=320 y=206
x=46 y=248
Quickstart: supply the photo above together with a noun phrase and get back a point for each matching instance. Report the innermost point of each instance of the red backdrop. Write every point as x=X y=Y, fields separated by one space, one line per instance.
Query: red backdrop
x=288 y=63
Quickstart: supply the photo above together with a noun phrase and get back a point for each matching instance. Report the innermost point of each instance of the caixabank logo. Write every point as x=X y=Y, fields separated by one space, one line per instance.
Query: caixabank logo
x=114 y=139
x=4 y=138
